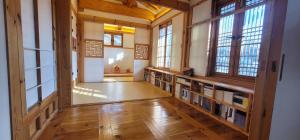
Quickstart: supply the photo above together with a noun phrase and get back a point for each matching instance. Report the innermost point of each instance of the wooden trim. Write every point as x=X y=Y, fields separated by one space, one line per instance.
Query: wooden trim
x=151 y=47
x=174 y=4
x=14 y=41
x=81 y=51
x=198 y=3
x=267 y=79
x=241 y=10
x=105 y=6
x=112 y=21
x=165 y=21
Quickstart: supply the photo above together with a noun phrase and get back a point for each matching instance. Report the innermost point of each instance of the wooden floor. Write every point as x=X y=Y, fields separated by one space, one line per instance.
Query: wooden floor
x=119 y=79
x=93 y=93
x=160 y=119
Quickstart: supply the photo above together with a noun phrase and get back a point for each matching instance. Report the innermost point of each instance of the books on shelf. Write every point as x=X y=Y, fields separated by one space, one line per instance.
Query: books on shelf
x=240 y=101
x=183 y=81
x=219 y=95
x=177 y=91
x=228 y=97
x=208 y=91
x=169 y=87
x=240 y=118
x=230 y=114
x=197 y=87
x=185 y=94
x=206 y=104
x=196 y=99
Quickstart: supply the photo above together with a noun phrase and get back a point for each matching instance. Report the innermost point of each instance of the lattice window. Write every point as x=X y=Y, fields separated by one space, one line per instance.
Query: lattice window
x=251 y=40
x=94 y=48
x=163 y=58
x=225 y=39
x=141 y=51
x=238 y=38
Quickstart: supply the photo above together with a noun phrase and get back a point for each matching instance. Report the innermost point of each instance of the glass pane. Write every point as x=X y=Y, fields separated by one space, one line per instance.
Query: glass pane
x=224 y=40
x=162 y=31
x=117 y=40
x=48 y=88
x=107 y=39
x=251 y=40
x=31 y=97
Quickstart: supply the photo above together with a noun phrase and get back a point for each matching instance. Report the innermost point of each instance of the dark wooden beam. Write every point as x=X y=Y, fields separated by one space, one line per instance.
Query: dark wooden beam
x=64 y=52
x=174 y=4
x=101 y=5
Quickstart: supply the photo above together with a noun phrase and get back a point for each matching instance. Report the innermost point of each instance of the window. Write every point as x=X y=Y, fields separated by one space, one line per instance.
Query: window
x=113 y=39
x=39 y=57
x=163 y=58
x=238 y=37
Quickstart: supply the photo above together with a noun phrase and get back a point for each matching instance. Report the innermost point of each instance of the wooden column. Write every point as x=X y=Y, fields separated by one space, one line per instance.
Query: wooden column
x=267 y=76
x=16 y=69
x=64 y=52
x=81 y=51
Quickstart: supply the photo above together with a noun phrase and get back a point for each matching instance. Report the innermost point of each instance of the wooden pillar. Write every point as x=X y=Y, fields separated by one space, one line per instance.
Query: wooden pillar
x=266 y=81
x=15 y=67
x=64 y=52
x=81 y=50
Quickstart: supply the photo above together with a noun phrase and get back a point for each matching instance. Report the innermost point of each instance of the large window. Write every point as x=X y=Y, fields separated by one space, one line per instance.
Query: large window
x=164 y=47
x=113 y=39
x=238 y=37
x=39 y=52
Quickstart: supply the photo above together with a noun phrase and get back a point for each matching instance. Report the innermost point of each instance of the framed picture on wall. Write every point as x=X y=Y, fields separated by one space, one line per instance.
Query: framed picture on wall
x=94 y=48
x=141 y=51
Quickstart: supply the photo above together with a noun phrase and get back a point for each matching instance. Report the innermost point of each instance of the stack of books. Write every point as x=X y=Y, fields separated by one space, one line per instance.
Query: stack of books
x=208 y=91
x=185 y=94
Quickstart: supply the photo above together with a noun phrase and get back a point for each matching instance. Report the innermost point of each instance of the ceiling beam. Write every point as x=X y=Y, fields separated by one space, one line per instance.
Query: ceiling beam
x=101 y=5
x=174 y=4
x=112 y=21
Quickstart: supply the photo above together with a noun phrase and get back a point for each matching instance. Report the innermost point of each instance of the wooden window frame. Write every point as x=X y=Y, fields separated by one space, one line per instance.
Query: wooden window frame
x=112 y=40
x=236 y=44
x=165 y=25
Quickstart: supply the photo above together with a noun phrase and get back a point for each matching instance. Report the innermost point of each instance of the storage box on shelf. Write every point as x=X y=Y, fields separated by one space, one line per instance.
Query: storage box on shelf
x=161 y=79
x=227 y=103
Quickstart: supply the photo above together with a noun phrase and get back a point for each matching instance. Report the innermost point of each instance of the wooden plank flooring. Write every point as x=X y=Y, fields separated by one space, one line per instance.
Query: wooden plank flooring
x=161 y=119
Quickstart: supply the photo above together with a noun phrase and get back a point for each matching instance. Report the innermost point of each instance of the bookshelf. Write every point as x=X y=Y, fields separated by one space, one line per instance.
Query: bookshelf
x=160 y=78
x=229 y=104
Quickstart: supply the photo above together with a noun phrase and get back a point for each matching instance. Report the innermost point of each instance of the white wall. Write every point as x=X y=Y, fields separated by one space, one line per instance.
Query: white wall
x=123 y=57
x=286 y=113
x=74 y=65
x=5 y=130
x=118 y=56
x=93 y=67
x=199 y=39
x=142 y=36
x=177 y=23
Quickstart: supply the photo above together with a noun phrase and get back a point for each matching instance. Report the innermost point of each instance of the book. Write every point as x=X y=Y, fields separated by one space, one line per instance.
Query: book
x=240 y=118
x=206 y=104
x=230 y=114
x=219 y=95
x=208 y=91
x=228 y=97
x=240 y=101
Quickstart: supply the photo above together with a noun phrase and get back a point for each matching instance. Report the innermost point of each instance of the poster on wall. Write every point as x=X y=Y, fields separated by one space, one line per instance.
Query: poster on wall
x=141 y=51
x=94 y=48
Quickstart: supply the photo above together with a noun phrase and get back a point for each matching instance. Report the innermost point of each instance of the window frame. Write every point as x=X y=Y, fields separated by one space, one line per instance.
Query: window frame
x=112 y=40
x=165 y=25
x=239 y=14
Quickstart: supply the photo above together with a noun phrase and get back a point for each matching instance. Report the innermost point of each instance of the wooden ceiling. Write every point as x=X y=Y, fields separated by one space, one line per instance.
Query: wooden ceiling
x=146 y=9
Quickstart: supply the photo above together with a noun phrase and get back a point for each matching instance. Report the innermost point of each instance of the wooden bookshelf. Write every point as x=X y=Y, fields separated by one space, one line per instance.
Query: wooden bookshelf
x=207 y=89
x=160 y=78
x=189 y=83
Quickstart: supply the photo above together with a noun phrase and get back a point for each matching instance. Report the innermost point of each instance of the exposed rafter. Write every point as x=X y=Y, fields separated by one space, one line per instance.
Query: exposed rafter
x=101 y=5
x=130 y=3
x=174 y=4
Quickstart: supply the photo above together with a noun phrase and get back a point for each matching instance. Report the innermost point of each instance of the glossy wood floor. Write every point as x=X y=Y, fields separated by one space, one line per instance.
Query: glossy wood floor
x=107 y=92
x=161 y=119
